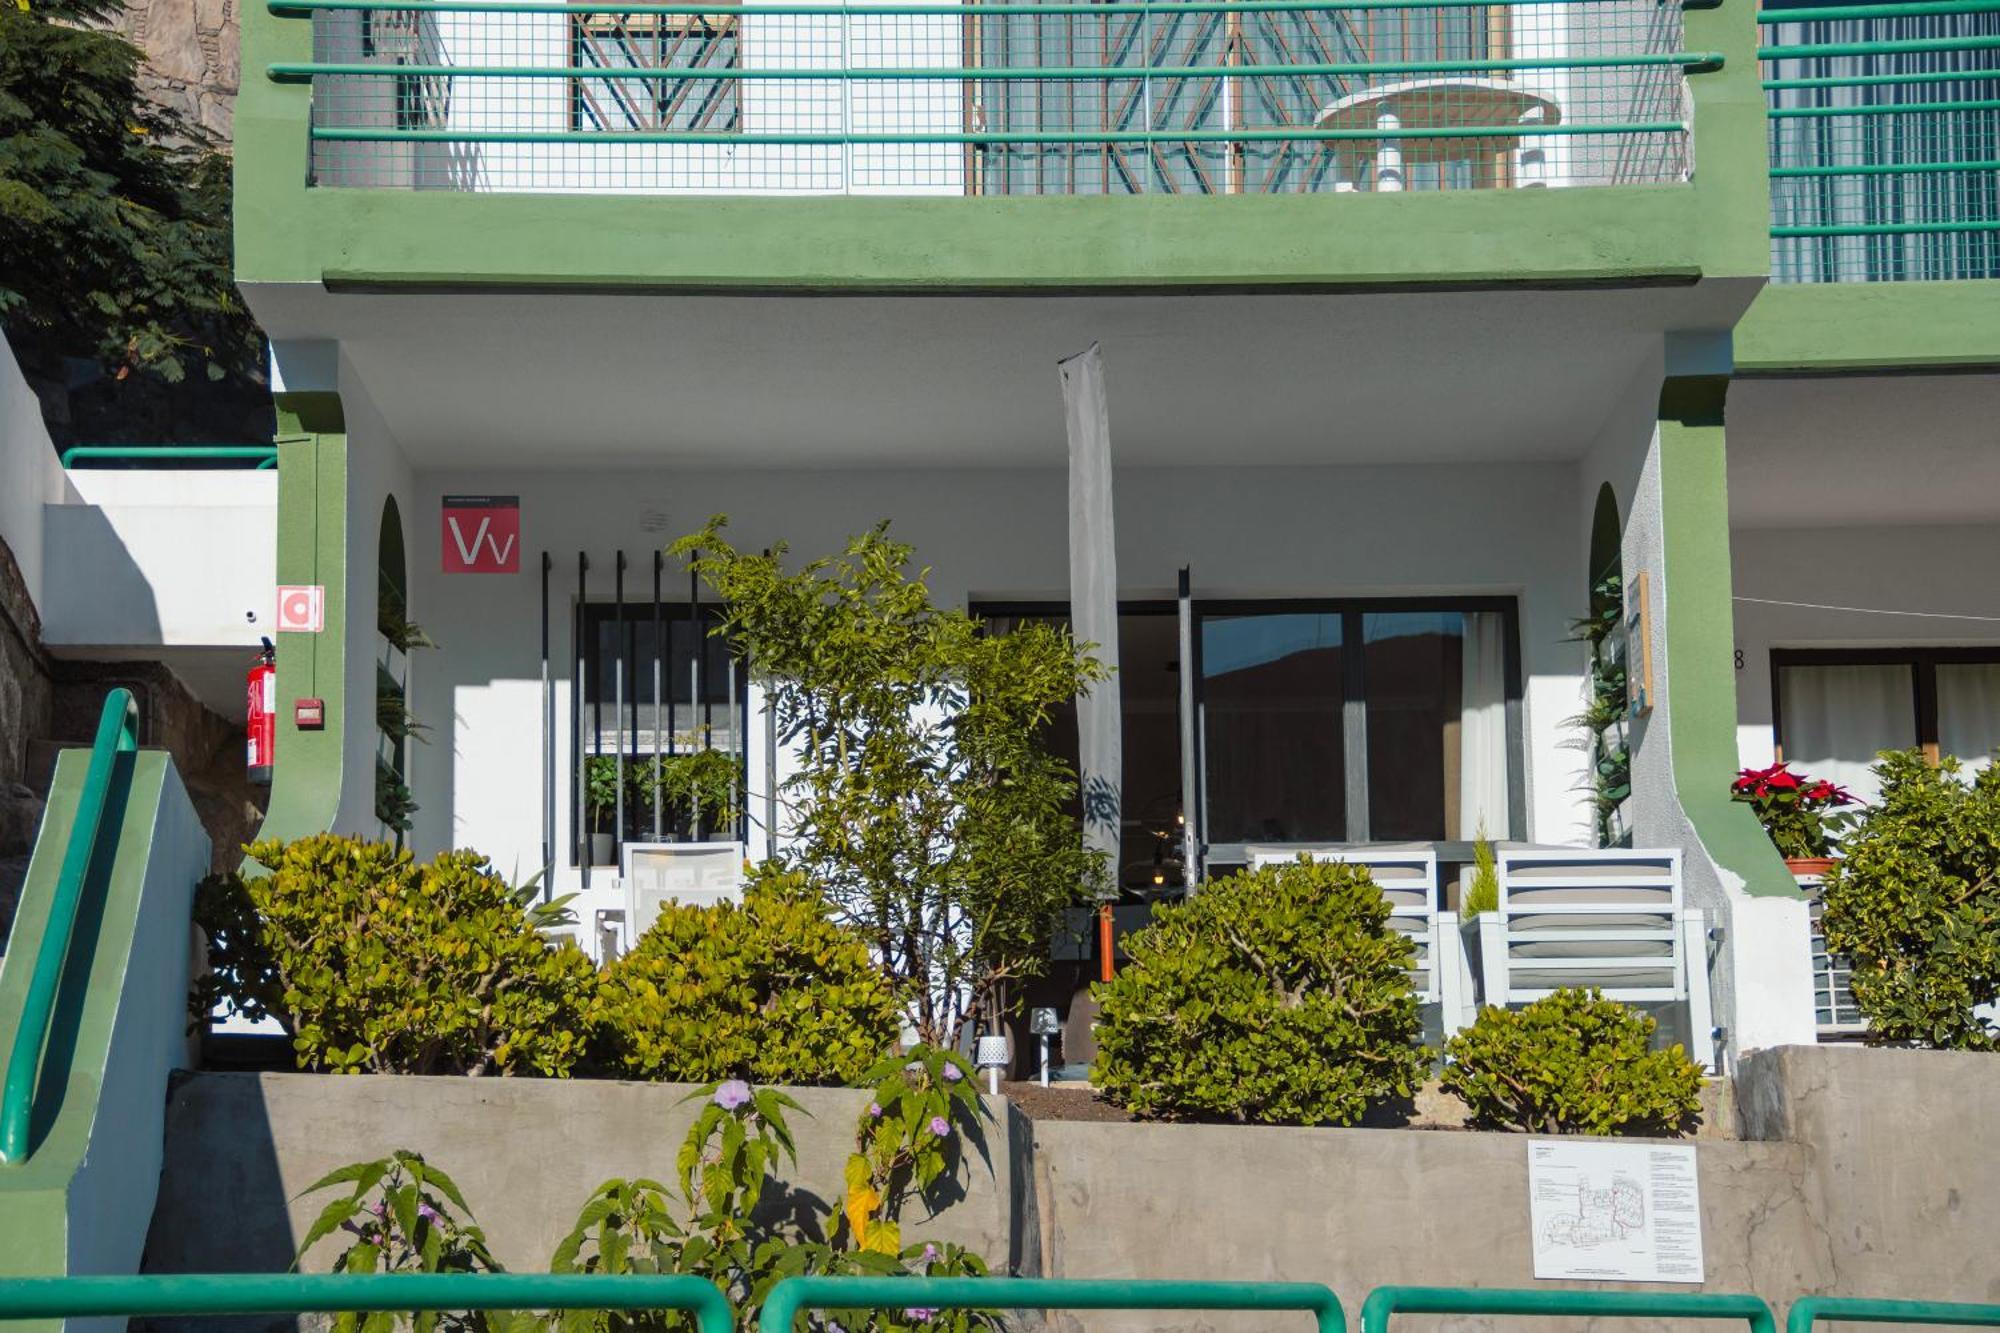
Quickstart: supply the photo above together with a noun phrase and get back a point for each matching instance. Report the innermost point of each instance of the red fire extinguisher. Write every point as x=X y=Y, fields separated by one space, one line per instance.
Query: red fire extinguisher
x=261 y=718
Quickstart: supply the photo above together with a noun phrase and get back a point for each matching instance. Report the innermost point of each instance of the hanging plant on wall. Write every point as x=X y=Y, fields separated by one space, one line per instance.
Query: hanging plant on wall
x=1603 y=717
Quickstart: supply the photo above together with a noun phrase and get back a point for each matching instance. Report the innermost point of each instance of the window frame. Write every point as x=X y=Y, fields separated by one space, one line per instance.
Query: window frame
x=1922 y=662
x=1354 y=699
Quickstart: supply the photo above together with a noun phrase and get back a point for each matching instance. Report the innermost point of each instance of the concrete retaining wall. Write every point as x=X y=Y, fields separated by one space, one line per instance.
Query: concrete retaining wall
x=1862 y=1172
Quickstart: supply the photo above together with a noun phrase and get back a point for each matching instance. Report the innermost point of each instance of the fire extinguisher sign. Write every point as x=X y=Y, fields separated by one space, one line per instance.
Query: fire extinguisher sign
x=482 y=534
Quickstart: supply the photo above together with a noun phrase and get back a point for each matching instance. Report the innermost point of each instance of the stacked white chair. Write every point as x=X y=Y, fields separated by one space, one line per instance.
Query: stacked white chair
x=1408 y=878
x=1613 y=918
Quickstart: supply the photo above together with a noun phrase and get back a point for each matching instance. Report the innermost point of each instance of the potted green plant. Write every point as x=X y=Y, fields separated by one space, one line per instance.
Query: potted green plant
x=700 y=784
x=1799 y=814
x=600 y=799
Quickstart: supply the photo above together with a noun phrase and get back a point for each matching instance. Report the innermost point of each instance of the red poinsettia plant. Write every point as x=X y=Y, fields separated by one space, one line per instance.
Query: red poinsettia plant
x=1797 y=812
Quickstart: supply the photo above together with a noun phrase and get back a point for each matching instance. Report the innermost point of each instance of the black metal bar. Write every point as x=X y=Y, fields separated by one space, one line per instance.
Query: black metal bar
x=548 y=747
x=695 y=715
x=660 y=647
x=618 y=707
x=577 y=775
x=1354 y=724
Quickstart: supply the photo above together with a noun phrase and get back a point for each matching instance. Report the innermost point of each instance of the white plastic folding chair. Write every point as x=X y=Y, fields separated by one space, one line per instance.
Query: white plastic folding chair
x=1408 y=878
x=1613 y=918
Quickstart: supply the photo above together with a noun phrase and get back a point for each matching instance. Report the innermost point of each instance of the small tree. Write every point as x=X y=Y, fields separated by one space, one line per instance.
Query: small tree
x=1914 y=904
x=926 y=804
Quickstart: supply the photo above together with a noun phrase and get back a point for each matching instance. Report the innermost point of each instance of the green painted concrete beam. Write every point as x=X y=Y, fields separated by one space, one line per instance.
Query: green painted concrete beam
x=1701 y=634
x=312 y=549
x=1858 y=327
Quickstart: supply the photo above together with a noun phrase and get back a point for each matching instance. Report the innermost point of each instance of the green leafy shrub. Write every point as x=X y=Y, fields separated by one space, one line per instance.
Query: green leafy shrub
x=1276 y=995
x=709 y=1222
x=1914 y=904
x=698 y=784
x=406 y=1216
x=1571 y=1063
x=391 y=967
x=772 y=989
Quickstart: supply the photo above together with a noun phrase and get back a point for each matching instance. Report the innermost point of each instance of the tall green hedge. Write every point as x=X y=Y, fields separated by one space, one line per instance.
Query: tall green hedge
x=1278 y=995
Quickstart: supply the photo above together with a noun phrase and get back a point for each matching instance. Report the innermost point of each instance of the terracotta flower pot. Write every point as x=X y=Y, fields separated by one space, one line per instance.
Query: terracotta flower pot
x=1808 y=867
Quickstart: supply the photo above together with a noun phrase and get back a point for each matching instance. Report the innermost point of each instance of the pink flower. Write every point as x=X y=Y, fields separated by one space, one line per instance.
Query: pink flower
x=922 y=1314
x=930 y=1255
x=940 y=1127
x=952 y=1073
x=732 y=1094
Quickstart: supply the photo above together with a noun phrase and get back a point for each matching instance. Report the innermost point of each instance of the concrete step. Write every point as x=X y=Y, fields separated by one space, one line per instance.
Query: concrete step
x=41 y=767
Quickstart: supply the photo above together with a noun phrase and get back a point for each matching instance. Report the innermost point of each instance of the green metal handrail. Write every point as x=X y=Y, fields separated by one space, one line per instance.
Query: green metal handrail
x=1384 y=1302
x=1882 y=109
x=1898 y=46
x=377 y=134
x=117 y=733
x=1770 y=18
x=265 y=455
x=292 y=71
x=1890 y=228
x=1882 y=169
x=1806 y=1311
x=795 y=1295
x=297 y=1293
x=1169 y=8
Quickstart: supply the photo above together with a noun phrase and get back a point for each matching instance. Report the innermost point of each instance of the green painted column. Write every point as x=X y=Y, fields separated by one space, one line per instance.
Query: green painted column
x=1700 y=632
x=312 y=549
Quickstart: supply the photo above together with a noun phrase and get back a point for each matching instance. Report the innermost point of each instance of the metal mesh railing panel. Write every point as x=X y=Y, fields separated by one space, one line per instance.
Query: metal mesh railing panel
x=1118 y=98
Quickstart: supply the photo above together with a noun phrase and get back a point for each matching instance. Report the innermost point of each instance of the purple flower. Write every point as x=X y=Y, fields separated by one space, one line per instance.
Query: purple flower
x=940 y=1126
x=732 y=1094
x=922 y=1314
x=952 y=1073
x=875 y=1110
x=381 y=1208
x=930 y=1255
x=430 y=1215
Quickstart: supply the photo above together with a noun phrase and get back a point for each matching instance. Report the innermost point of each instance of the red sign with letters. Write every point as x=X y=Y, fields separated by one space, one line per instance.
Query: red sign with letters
x=482 y=534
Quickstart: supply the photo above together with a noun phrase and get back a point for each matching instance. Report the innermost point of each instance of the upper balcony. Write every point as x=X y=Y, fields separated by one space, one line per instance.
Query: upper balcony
x=982 y=146
x=1885 y=186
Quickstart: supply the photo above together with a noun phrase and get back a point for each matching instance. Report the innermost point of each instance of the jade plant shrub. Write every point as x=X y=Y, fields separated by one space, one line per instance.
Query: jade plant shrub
x=1914 y=904
x=405 y=1216
x=1277 y=995
x=386 y=966
x=771 y=989
x=1572 y=1062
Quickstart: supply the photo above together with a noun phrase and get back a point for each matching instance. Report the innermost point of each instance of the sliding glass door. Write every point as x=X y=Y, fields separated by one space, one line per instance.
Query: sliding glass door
x=1353 y=722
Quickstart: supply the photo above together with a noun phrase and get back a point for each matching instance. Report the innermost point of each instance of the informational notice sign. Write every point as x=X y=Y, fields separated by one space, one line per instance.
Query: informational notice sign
x=482 y=534
x=1615 y=1212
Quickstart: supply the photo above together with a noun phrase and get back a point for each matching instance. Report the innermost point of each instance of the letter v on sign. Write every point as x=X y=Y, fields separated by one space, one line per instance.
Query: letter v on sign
x=482 y=534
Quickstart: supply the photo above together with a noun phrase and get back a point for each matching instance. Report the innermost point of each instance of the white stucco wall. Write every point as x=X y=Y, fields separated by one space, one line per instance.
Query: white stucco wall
x=31 y=476
x=1890 y=574
x=1506 y=529
x=174 y=558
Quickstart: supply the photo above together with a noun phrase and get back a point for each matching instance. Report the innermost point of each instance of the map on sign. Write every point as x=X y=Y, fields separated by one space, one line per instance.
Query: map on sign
x=1615 y=1212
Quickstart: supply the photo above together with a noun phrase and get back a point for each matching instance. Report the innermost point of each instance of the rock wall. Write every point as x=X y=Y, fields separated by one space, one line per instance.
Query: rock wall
x=192 y=58
x=27 y=707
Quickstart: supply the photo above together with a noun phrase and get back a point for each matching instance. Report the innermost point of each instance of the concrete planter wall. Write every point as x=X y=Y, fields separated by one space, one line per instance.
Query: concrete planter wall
x=1828 y=1189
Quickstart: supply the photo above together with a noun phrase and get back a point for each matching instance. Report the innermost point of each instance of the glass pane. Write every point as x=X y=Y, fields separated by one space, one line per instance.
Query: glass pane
x=1272 y=688
x=1969 y=712
x=1837 y=718
x=1414 y=674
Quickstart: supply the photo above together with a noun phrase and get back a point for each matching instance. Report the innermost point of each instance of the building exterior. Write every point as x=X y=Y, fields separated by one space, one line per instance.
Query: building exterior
x=1422 y=323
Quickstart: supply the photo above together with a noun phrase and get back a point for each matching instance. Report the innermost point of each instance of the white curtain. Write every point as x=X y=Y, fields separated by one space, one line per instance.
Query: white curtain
x=1837 y=718
x=1482 y=768
x=1093 y=600
x=1969 y=712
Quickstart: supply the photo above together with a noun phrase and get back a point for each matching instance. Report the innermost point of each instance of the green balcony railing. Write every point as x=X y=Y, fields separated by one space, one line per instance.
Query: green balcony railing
x=1884 y=138
x=799 y=1295
x=1124 y=97
x=1384 y=1303
x=117 y=734
x=260 y=456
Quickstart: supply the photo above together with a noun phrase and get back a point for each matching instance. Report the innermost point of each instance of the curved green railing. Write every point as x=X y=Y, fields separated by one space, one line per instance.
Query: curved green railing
x=264 y=455
x=1384 y=1302
x=117 y=733
x=1810 y=1309
x=795 y=1295
x=295 y=1293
